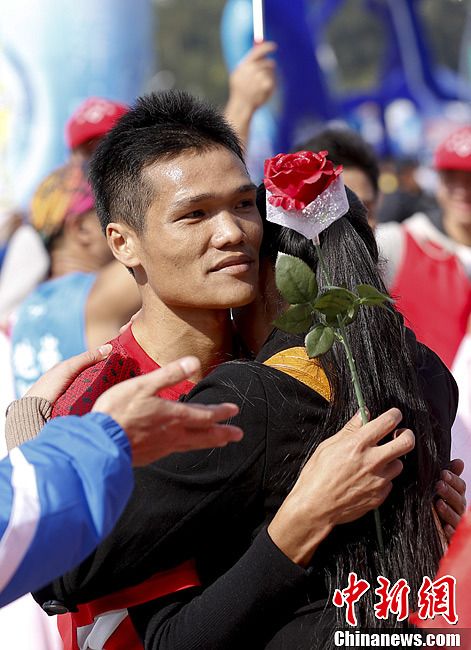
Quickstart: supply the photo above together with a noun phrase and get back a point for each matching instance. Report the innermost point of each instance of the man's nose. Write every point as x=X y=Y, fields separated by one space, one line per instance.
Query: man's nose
x=228 y=231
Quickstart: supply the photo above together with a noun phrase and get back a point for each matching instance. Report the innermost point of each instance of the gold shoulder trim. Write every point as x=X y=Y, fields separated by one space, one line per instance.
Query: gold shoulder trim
x=296 y=363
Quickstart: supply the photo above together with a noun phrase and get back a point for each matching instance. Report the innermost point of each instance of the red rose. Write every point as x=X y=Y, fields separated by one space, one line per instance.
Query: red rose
x=295 y=179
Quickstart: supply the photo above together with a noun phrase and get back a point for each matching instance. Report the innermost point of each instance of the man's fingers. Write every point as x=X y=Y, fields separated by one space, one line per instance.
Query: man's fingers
x=452 y=497
x=383 y=494
x=381 y=426
x=453 y=481
x=353 y=425
x=171 y=374
x=456 y=466
x=196 y=416
x=449 y=532
x=124 y=327
x=393 y=469
x=403 y=444
x=217 y=436
x=210 y=413
x=447 y=515
x=76 y=364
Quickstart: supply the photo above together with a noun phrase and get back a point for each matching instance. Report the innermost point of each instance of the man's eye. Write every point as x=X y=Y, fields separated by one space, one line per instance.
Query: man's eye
x=196 y=214
x=246 y=203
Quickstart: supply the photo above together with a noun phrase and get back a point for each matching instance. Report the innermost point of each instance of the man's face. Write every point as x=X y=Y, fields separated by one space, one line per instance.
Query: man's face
x=202 y=235
x=454 y=196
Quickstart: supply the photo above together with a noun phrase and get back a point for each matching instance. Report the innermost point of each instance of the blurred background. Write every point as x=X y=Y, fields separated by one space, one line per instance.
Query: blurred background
x=397 y=71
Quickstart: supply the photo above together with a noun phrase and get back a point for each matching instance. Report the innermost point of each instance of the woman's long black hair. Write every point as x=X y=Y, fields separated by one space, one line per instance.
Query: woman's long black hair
x=388 y=359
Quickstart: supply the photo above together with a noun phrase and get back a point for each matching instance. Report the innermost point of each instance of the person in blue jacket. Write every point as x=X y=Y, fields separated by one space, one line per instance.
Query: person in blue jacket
x=62 y=492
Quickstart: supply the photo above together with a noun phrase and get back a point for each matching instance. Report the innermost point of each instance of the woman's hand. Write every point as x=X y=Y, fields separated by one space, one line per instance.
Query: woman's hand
x=58 y=379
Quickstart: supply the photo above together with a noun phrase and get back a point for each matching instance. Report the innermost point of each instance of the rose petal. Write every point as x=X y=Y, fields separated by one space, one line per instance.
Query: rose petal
x=297 y=179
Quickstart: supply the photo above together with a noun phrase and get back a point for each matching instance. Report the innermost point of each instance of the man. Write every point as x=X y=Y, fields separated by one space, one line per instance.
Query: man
x=178 y=208
x=179 y=211
x=88 y=295
x=408 y=196
x=184 y=203
x=429 y=267
x=63 y=492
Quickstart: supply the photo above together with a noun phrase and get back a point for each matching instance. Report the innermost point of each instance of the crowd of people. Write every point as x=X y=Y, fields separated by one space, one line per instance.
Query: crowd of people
x=206 y=544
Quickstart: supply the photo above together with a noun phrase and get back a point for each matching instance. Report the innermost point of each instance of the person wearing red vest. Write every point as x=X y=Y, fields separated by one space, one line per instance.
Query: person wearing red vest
x=428 y=266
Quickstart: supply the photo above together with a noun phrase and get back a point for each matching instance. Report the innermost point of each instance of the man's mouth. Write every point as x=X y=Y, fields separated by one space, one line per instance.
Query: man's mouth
x=234 y=264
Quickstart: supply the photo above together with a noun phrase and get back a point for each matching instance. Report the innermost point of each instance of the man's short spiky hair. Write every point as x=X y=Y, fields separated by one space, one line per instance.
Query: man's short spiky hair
x=159 y=127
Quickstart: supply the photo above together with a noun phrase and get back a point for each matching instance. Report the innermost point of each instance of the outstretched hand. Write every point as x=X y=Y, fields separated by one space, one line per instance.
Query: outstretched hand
x=157 y=427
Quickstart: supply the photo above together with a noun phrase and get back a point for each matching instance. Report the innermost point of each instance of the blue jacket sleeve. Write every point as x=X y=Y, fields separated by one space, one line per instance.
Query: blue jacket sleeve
x=60 y=495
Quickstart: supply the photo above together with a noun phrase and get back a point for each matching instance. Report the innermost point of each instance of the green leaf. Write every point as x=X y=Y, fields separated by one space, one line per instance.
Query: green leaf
x=296 y=319
x=335 y=302
x=351 y=313
x=295 y=280
x=319 y=340
x=370 y=296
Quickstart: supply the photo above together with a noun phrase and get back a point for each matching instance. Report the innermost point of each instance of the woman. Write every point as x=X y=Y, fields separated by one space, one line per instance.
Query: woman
x=394 y=369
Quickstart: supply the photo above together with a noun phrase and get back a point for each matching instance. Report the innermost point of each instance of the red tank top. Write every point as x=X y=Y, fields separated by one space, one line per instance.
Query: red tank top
x=126 y=360
x=433 y=293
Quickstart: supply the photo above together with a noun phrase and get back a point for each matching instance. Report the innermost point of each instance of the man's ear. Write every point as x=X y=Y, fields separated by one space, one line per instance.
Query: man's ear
x=124 y=244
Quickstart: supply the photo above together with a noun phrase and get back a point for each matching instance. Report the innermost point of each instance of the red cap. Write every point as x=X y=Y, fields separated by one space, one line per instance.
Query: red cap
x=92 y=119
x=455 y=151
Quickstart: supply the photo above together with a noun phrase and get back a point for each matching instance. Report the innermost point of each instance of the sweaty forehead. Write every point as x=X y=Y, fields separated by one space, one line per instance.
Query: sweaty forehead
x=192 y=173
x=193 y=163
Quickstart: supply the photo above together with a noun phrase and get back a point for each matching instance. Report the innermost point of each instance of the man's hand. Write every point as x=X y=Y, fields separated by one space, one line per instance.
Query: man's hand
x=347 y=476
x=452 y=504
x=251 y=85
x=58 y=379
x=157 y=427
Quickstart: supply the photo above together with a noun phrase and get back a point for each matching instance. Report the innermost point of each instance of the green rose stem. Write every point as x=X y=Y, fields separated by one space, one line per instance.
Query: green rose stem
x=355 y=380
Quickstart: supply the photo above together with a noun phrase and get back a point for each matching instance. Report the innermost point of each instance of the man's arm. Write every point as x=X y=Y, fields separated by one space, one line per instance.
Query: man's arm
x=247 y=604
x=180 y=498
